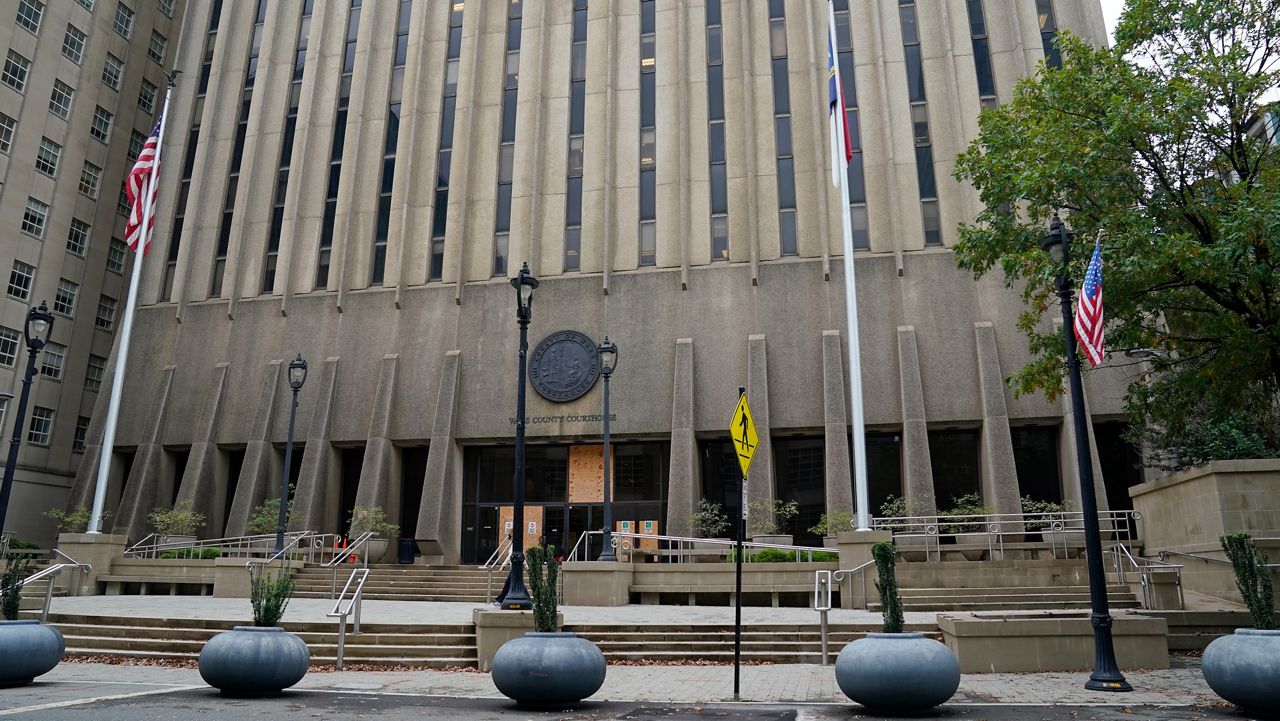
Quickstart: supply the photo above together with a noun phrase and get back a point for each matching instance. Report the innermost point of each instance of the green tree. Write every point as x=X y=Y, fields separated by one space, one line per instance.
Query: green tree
x=1155 y=143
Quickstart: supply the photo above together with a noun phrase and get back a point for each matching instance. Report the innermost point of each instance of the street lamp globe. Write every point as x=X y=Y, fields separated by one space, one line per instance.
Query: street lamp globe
x=39 y=325
x=608 y=356
x=524 y=283
x=1056 y=241
x=297 y=373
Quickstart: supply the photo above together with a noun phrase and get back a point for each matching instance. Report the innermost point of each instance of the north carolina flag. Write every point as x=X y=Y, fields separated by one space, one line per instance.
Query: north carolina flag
x=841 y=143
x=1089 y=311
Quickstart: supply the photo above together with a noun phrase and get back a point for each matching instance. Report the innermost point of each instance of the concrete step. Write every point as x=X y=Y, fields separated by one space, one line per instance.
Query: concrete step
x=1004 y=590
x=458 y=598
x=1018 y=598
x=317 y=659
x=59 y=619
x=1019 y=606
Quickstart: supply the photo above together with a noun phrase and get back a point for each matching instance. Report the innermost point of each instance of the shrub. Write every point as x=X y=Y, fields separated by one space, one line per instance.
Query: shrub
x=885 y=555
x=75 y=520
x=17 y=544
x=263 y=520
x=543 y=571
x=269 y=595
x=11 y=584
x=364 y=520
x=831 y=522
x=970 y=504
x=1252 y=578
x=180 y=520
x=776 y=555
x=709 y=521
x=767 y=518
x=1031 y=505
x=201 y=553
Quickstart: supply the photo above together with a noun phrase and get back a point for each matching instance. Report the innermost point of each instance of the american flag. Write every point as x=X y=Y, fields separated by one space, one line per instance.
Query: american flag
x=138 y=192
x=1089 y=313
x=835 y=111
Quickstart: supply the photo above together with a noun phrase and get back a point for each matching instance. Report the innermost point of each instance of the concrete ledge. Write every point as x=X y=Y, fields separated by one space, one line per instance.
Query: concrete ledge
x=596 y=583
x=495 y=627
x=1001 y=642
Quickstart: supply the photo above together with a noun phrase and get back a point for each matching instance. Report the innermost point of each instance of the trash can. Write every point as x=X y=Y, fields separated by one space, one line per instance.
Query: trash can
x=405 y=550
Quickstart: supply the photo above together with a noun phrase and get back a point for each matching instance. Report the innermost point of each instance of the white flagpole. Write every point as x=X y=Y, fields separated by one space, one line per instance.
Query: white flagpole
x=122 y=354
x=850 y=306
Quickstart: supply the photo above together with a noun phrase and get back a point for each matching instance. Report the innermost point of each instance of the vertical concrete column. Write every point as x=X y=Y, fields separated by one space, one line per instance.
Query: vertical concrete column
x=317 y=483
x=379 y=481
x=760 y=480
x=260 y=471
x=684 y=486
x=440 y=513
x=917 y=470
x=999 y=473
x=202 y=482
x=839 y=485
x=142 y=486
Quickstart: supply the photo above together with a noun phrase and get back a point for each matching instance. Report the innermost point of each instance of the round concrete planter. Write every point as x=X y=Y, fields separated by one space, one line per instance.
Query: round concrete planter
x=897 y=672
x=777 y=539
x=377 y=549
x=1243 y=670
x=548 y=669
x=254 y=661
x=28 y=649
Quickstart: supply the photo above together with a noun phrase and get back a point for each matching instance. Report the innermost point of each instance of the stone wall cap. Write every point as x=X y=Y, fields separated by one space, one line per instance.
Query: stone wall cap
x=1249 y=465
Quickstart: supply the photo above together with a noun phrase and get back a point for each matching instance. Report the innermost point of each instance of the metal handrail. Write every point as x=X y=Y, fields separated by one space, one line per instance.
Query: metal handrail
x=152 y=545
x=994 y=528
x=1209 y=559
x=1143 y=567
x=847 y=574
x=490 y=566
x=51 y=573
x=627 y=539
x=358 y=576
x=497 y=552
x=283 y=554
x=336 y=562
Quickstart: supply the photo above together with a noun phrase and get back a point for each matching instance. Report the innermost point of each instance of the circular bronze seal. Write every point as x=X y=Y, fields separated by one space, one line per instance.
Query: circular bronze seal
x=564 y=366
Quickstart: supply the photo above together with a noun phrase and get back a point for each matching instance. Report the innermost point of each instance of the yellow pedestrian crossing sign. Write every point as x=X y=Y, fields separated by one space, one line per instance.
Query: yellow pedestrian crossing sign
x=743 y=431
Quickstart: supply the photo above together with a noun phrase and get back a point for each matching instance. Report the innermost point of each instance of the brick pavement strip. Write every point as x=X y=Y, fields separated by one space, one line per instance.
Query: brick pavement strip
x=771 y=683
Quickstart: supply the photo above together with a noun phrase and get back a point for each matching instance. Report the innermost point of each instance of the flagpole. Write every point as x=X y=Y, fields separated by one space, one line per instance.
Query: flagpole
x=862 y=501
x=122 y=353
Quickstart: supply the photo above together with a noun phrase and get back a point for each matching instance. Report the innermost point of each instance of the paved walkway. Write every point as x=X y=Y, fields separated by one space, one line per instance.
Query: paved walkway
x=789 y=683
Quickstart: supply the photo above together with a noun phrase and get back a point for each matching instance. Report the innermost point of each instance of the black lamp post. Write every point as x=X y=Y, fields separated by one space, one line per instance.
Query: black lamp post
x=516 y=597
x=297 y=376
x=608 y=361
x=1106 y=674
x=39 y=326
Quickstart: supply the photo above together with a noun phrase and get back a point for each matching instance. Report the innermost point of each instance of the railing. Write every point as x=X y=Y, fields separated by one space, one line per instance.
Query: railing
x=309 y=540
x=1123 y=562
x=840 y=577
x=503 y=552
x=1061 y=530
x=346 y=552
x=358 y=577
x=4 y=544
x=679 y=548
x=1208 y=559
x=154 y=545
x=49 y=574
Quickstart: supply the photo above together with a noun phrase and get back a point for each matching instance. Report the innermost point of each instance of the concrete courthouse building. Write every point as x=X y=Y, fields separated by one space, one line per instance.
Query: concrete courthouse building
x=356 y=182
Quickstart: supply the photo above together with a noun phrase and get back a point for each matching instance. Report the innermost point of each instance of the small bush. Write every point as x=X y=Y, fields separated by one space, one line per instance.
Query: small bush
x=10 y=584
x=832 y=522
x=75 y=520
x=1252 y=578
x=886 y=556
x=777 y=555
x=17 y=544
x=1031 y=505
x=543 y=570
x=180 y=520
x=206 y=554
x=263 y=520
x=269 y=596
x=970 y=504
x=365 y=520
x=768 y=518
x=709 y=521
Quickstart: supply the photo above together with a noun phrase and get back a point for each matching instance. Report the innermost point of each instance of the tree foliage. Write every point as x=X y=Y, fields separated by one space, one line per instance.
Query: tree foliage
x=1156 y=144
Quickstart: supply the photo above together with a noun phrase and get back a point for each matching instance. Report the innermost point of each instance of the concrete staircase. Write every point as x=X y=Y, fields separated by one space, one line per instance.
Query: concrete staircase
x=392 y=582
x=1019 y=598
x=1005 y=585
x=427 y=646
x=769 y=643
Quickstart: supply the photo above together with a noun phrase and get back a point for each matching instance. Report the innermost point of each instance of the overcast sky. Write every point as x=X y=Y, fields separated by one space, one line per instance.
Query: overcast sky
x=1111 y=9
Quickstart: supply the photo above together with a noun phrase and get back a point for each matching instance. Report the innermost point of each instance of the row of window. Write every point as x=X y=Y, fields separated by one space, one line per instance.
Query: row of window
x=22 y=275
x=31 y=13
x=41 y=430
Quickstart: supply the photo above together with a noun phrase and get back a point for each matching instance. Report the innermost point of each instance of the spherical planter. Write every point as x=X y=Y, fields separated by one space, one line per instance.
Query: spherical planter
x=1243 y=670
x=548 y=669
x=254 y=661
x=897 y=672
x=28 y=649
x=376 y=548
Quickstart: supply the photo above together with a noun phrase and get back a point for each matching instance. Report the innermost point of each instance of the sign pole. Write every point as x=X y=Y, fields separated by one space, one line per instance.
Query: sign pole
x=737 y=583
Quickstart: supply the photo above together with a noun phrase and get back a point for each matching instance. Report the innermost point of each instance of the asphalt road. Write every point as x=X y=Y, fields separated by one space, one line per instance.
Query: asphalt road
x=132 y=703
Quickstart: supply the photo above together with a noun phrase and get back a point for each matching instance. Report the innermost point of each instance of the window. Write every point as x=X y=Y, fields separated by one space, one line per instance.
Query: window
x=47 y=157
x=88 y=4
x=116 y=255
x=166 y=7
x=136 y=141
x=916 y=96
x=64 y=301
x=106 y=319
x=716 y=135
x=90 y=179
x=15 y=71
x=7 y=127
x=112 y=71
x=29 y=14
x=1048 y=33
x=51 y=363
x=33 y=218
x=440 y=203
x=78 y=237
x=124 y=20
x=73 y=44
x=648 y=122
x=9 y=339
x=855 y=178
x=122 y=203
x=147 y=97
x=507 y=142
x=82 y=431
x=41 y=426
x=156 y=49
x=60 y=99
x=20 y=280
x=94 y=372
x=101 y=128
x=786 y=175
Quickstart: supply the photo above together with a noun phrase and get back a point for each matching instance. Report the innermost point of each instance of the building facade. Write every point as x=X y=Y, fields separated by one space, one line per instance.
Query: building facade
x=356 y=182
x=81 y=86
